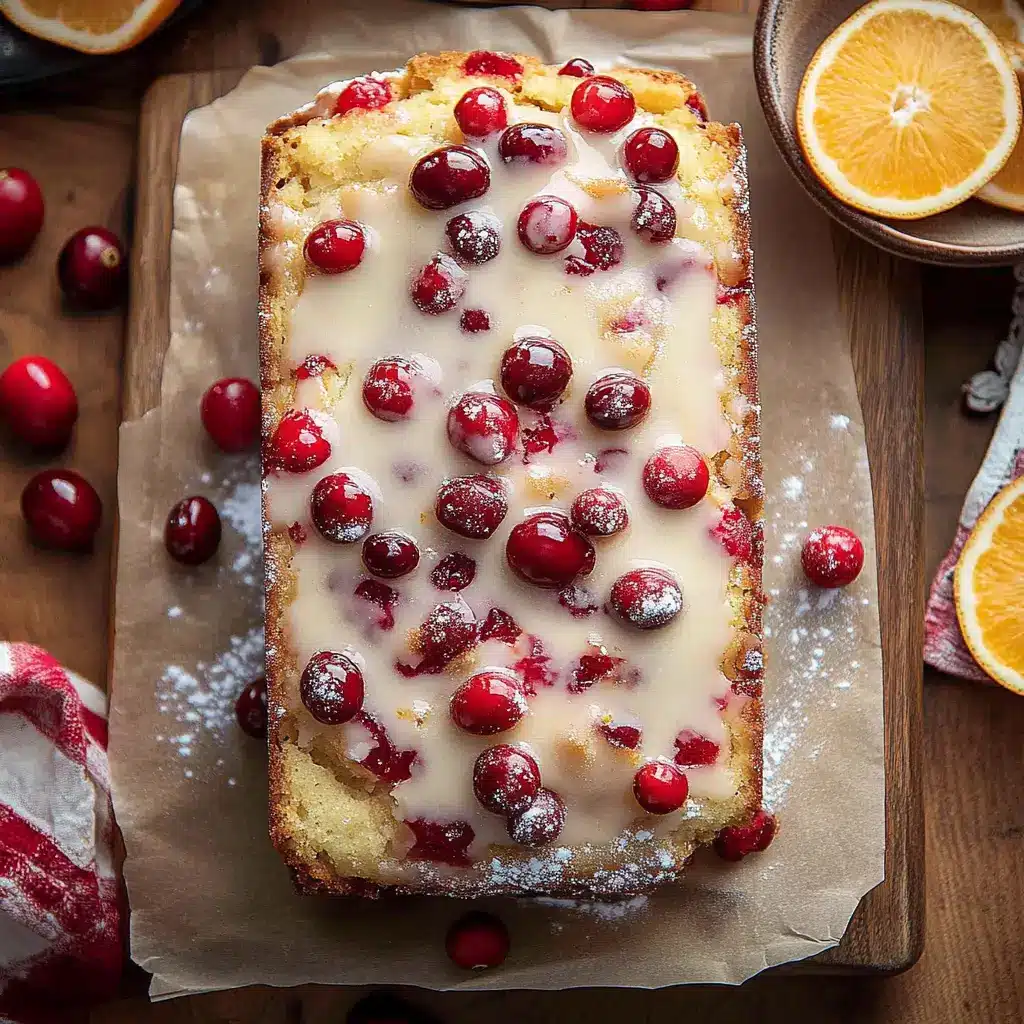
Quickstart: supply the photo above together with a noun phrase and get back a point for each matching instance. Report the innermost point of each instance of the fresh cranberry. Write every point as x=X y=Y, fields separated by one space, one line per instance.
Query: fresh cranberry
x=335 y=246
x=391 y=554
x=599 y=512
x=541 y=823
x=454 y=572
x=500 y=626
x=341 y=509
x=449 y=176
x=735 y=841
x=535 y=371
x=475 y=236
x=627 y=737
x=735 y=533
x=298 y=444
x=617 y=401
x=481 y=112
x=490 y=62
x=602 y=104
x=547 y=225
x=251 y=709
x=448 y=631
x=654 y=217
x=505 y=779
x=37 y=402
x=695 y=102
x=331 y=687
x=476 y=941
x=471 y=506
x=313 y=366
x=446 y=842
x=489 y=702
x=297 y=532
x=388 y=388
x=833 y=556
x=660 y=787
x=230 y=411
x=546 y=551
x=62 y=510
x=91 y=268
x=603 y=246
x=369 y=93
x=21 y=212
x=383 y=598
x=483 y=426
x=474 y=321
x=646 y=598
x=591 y=668
x=694 y=750
x=676 y=477
x=651 y=155
x=533 y=144
x=577 y=68
x=192 y=531
x=541 y=437
x=384 y=759
x=438 y=286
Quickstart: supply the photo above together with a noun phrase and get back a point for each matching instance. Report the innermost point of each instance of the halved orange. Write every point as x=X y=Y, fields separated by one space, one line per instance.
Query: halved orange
x=989 y=588
x=908 y=108
x=91 y=26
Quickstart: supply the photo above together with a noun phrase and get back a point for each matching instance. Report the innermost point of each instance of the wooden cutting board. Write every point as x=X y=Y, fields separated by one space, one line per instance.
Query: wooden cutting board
x=881 y=302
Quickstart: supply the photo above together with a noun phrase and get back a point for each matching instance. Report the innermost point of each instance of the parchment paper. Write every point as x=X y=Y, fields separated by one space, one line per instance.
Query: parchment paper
x=212 y=906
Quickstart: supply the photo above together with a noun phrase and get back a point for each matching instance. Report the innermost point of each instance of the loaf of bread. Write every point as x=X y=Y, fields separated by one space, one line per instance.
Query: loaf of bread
x=512 y=484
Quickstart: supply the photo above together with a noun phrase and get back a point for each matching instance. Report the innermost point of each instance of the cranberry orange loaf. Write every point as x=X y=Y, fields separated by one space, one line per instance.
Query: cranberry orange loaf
x=512 y=496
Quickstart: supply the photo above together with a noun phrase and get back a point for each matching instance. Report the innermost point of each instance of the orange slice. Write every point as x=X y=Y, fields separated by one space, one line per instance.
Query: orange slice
x=1004 y=17
x=989 y=588
x=91 y=26
x=908 y=108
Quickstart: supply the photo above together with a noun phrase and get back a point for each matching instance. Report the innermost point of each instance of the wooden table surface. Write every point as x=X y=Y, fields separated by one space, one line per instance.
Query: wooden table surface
x=80 y=134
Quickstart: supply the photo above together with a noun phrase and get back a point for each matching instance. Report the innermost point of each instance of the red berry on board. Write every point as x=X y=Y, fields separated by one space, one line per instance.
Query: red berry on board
x=833 y=556
x=654 y=217
x=646 y=598
x=527 y=143
x=37 y=402
x=736 y=841
x=676 y=477
x=192 y=531
x=651 y=155
x=391 y=554
x=546 y=551
x=474 y=321
x=577 y=68
x=251 y=709
x=21 y=212
x=62 y=510
x=660 y=787
x=481 y=112
x=331 y=688
x=599 y=512
x=541 y=823
x=477 y=941
x=335 y=246
x=471 y=506
x=535 y=371
x=694 y=750
x=298 y=444
x=490 y=62
x=505 y=779
x=230 y=411
x=489 y=702
x=735 y=533
x=438 y=285
x=475 y=236
x=449 y=176
x=483 y=426
x=341 y=509
x=454 y=572
x=547 y=225
x=388 y=388
x=91 y=269
x=602 y=104
x=369 y=93
x=617 y=401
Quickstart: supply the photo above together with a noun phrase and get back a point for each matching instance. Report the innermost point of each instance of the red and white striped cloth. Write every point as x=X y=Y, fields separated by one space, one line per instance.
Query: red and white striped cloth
x=60 y=908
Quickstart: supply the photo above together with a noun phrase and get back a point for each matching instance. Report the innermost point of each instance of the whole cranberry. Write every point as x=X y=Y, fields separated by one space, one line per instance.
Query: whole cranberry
x=37 y=402
x=617 y=401
x=21 y=212
x=471 y=506
x=654 y=217
x=646 y=598
x=477 y=941
x=599 y=512
x=335 y=246
x=505 y=779
x=493 y=63
x=489 y=702
x=331 y=688
x=230 y=411
x=546 y=551
x=483 y=426
x=449 y=176
x=390 y=554
x=438 y=286
x=676 y=477
x=602 y=104
x=833 y=556
x=341 y=509
x=481 y=112
x=475 y=236
x=651 y=155
x=62 y=510
x=251 y=709
x=547 y=225
x=192 y=531
x=388 y=388
x=694 y=750
x=369 y=93
x=91 y=268
x=474 y=321
x=736 y=841
x=454 y=572
x=541 y=823
x=298 y=444
x=660 y=787
x=535 y=371
x=533 y=144
x=577 y=68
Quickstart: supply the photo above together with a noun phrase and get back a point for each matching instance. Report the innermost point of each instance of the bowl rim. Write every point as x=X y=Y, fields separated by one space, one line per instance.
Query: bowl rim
x=878 y=232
